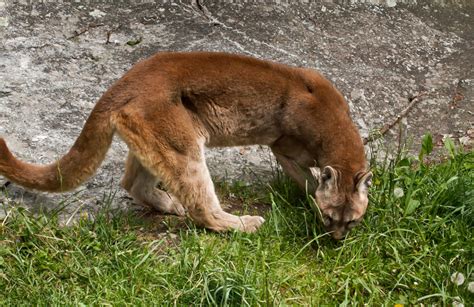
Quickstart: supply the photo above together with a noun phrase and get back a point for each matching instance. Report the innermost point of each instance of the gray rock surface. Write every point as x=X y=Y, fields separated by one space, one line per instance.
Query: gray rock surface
x=58 y=57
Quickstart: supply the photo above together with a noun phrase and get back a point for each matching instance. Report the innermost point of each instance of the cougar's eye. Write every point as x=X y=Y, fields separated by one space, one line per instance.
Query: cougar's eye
x=351 y=224
x=327 y=220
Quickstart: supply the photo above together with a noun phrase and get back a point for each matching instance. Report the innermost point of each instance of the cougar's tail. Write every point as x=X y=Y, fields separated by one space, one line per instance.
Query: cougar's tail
x=71 y=170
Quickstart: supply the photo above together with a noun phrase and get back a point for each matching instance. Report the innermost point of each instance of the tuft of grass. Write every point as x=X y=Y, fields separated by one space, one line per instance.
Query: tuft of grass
x=416 y=234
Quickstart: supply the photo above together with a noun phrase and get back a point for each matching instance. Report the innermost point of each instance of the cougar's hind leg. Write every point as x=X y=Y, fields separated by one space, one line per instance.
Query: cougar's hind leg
x=142 y=186
x=167 y=144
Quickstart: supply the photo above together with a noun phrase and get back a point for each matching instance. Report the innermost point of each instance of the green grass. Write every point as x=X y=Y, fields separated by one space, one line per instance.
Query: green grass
x=404 y=252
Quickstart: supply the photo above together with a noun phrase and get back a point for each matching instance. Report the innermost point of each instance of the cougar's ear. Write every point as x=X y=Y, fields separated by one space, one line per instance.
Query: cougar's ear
x=316 y=172
x=364 y=182
x=327 y=177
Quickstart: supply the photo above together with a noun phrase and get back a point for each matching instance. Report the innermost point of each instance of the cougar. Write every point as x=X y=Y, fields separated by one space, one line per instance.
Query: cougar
x=169 y=107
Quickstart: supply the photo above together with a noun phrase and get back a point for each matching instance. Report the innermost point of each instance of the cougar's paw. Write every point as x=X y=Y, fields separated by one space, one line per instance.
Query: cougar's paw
x=251 y=222
x=158 y=200
x=171 y=208
x=222 y=221
x=167 y=203
x=177 y=209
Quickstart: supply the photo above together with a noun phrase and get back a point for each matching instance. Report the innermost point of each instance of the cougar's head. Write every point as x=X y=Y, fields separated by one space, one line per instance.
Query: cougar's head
x=342 y=199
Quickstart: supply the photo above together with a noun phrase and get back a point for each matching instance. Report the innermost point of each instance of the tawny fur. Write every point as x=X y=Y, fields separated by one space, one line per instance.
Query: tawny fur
x=169 y=107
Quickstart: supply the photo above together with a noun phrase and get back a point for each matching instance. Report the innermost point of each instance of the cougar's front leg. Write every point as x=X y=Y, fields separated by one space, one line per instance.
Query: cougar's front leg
x=295 y=161
x=167 y=145
x=198 y=194
x=142 y=186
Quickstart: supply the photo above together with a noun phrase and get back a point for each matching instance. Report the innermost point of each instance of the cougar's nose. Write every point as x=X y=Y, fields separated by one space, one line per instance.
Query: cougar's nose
x=338 y=234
